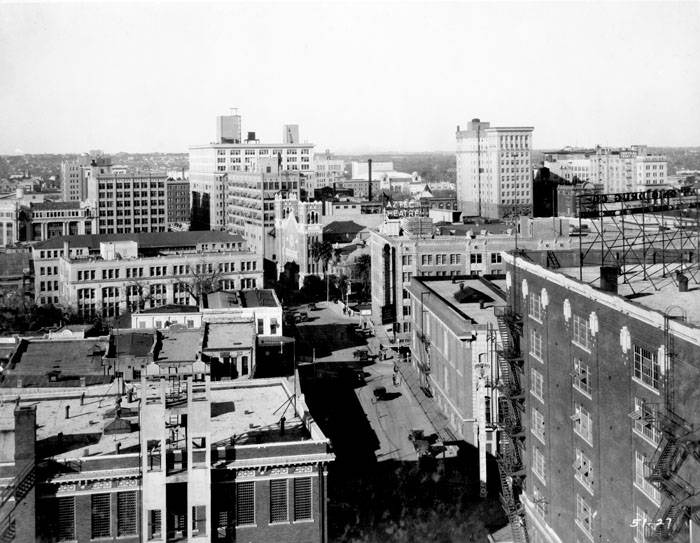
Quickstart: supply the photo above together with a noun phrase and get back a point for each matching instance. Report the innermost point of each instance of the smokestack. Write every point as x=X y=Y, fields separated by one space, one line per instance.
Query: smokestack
x=369 y=177
x=608 y=278
x=282 y=421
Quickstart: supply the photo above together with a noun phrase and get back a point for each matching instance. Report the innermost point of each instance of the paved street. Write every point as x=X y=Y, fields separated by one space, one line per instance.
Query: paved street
x=378 y=488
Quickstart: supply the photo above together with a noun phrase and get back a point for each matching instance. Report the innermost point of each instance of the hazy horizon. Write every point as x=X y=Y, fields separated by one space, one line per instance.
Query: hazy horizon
x=358 y=78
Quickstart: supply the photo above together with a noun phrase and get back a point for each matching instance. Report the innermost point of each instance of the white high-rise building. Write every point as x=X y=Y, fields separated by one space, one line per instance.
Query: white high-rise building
x=211 y=164
x=494 y=169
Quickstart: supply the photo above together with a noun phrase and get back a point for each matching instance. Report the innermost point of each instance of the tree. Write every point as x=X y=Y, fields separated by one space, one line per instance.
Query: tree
x=322 y=251
x=362 y=272
x=202 y=278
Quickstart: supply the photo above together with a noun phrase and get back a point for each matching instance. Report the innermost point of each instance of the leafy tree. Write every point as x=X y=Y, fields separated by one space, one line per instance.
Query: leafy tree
x=322 y=251
x=362 y=272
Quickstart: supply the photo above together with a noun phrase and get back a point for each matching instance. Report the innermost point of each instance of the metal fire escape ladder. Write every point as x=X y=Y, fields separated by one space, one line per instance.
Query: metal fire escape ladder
x=511 y=405
x=16 y=490
x=673 y=449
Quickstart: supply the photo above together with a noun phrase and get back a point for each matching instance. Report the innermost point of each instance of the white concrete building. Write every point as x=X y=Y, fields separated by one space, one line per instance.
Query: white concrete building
x=328 y=170
x=494 y=169
x=211 y=165
x=109 y=274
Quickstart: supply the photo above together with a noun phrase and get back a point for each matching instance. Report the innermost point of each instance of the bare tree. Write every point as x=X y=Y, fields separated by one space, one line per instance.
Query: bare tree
x=202 y=278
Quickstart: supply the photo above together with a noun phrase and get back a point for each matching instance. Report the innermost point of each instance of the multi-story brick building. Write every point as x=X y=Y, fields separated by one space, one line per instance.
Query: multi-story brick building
x=129 y=203
x=494 y=169
x=177 y=197
x=178 y=458
x=451 y=348
x=611 y=415
x=108 y=274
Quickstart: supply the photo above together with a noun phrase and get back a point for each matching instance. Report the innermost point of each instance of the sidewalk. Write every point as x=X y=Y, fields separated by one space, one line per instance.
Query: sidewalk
x=410 y=377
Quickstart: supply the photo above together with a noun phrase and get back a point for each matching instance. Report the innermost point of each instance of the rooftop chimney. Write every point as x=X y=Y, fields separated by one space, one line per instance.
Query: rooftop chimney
x=369 y=177
x=608 y=278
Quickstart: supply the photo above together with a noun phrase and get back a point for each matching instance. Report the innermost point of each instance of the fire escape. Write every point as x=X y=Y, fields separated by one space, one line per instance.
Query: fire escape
x=510 y=407
x=10 y=497
x=676 y=443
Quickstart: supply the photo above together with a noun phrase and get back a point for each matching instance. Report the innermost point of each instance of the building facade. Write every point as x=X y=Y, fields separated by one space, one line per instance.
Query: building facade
x=452 y=350
x=494 y=169
x=168 y=461
x=615 y=169
x=611 y=404
x=397 y=255
x=48 y=219
x=177 y=197
x=328 y=171
x=9 y=215
x=211 y=168
x=108 y=275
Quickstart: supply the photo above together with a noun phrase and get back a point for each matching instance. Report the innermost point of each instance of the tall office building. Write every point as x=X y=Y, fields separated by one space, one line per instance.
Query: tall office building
x=494 y=169
x=250 y=203
x=212 y=165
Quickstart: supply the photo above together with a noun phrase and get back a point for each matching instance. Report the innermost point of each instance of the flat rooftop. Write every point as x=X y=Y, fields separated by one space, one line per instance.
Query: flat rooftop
x=242 y=298
x=144 y=239
x=170 y=308
x=229 y=335
x=658 y=293
x=178 y=344
x=130 y=343
x=44 y=363
x=466 y=296
x=245 y=412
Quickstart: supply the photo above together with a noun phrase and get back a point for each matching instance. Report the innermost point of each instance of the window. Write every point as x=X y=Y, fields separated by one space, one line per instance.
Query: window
x=582 y=334
x=427 y=260
x=154 y=526
x=582 y=377
x=536 y=306
x=245 y=503
x=583 y=424
x=261 y=326
x=153 y=447
x=455 y=259
x=646 y=367
x=645 y=419
x=278 y=500
x=475 y=258
x=641 y=472
x=126 y=513
x=640 y=522
x=536 y=385
x=537 y=424
x=199 y=520
x=584 y=518
x=584 y=470
x=100 y=516
x=65 y=509
x=538 y=463
x=495 y=258
x=302 y=498
x=536 y=344
x=539 y=500
x=407 y=277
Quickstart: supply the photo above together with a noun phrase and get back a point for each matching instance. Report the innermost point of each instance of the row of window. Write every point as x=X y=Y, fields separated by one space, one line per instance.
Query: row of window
x=100 y=516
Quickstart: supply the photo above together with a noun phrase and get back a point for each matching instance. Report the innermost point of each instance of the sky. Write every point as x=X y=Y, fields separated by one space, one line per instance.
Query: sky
x=357 y=77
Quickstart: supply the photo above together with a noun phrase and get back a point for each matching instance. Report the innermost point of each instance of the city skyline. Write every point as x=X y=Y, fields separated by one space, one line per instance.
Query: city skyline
x=391 y=79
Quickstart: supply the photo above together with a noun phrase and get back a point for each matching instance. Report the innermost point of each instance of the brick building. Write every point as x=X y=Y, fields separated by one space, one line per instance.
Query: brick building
x=612 y=402
x=452 y=350
x=174 y=459
x=177 y=201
